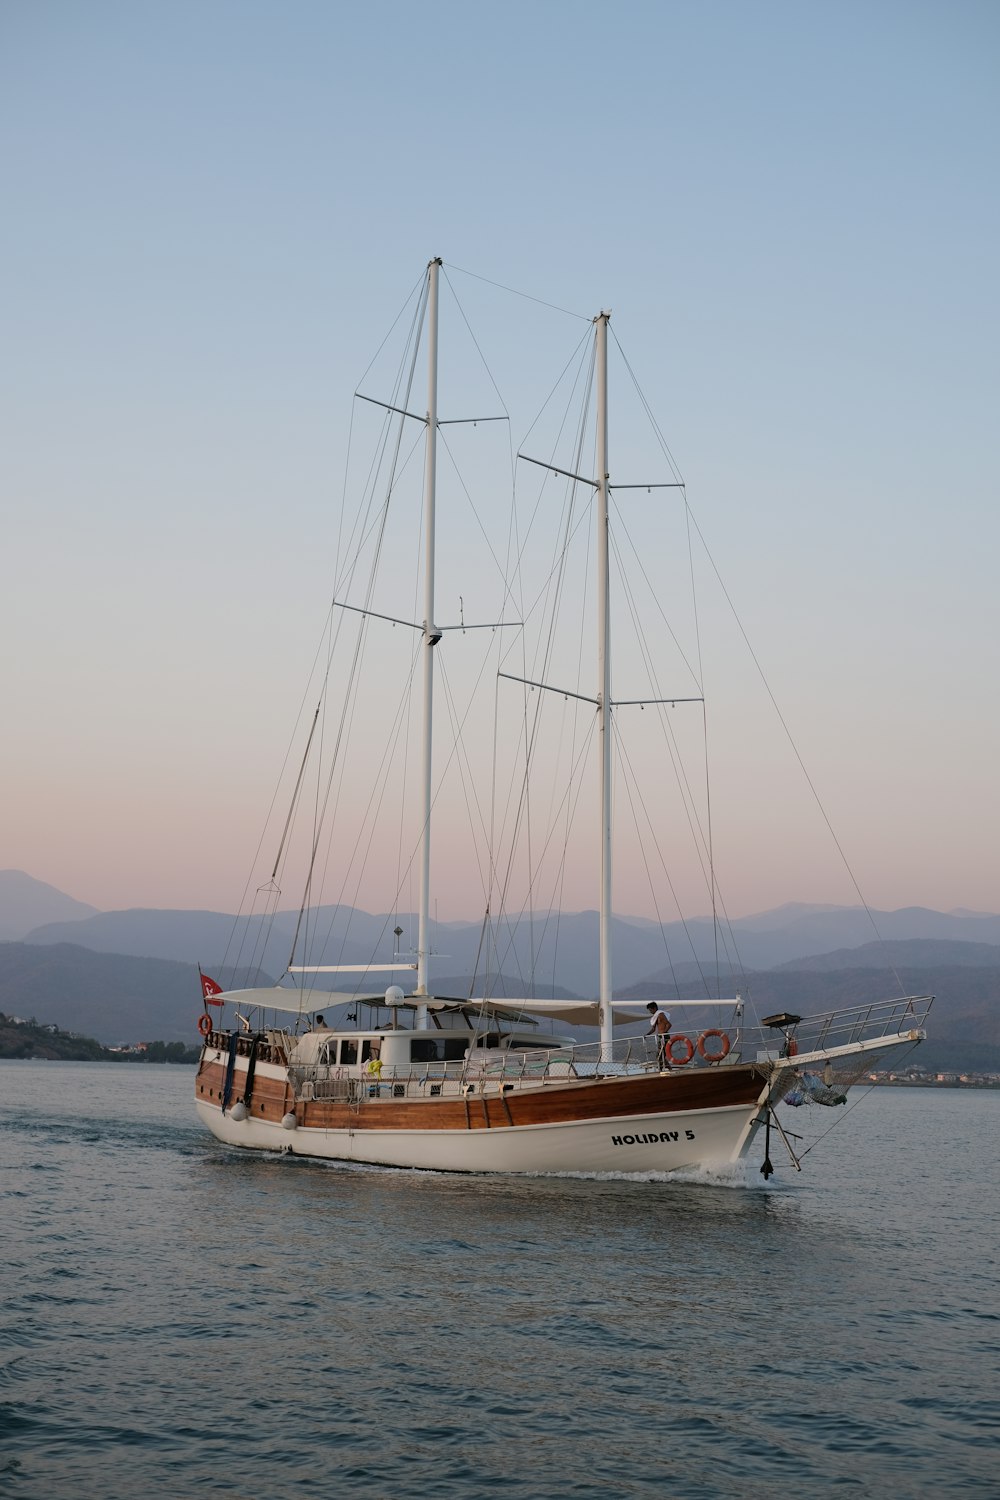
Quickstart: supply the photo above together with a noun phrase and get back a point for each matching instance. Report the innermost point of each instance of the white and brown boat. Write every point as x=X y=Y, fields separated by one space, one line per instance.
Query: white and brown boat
x=419 y=1079
x=448 y=1099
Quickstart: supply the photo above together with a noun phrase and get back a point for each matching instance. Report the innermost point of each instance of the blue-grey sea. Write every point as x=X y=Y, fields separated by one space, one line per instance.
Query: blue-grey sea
x=180 y=1319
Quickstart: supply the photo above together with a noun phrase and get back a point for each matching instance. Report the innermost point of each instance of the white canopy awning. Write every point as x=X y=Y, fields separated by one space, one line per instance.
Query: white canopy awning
x=302 y=1002
x=586 y=1012
x=280 y=997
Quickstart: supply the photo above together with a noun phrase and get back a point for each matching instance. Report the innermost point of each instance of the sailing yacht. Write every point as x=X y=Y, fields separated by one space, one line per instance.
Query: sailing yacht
x=408 y=1076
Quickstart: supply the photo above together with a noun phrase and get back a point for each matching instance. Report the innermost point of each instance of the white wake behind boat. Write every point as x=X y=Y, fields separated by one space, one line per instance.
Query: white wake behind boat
x=412 y=1077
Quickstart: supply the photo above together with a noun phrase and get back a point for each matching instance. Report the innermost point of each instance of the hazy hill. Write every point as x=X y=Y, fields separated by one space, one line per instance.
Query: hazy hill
x=917 y=953
x=822 y=928
x=798 y=957
x=185 y=936
x=25 y=903
x=560 y=949
x=109 y=996
x=119 y=998
x=564 y=944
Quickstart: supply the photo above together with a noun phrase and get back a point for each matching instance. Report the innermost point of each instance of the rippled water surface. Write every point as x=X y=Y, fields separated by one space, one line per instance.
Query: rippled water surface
x=180 y=1319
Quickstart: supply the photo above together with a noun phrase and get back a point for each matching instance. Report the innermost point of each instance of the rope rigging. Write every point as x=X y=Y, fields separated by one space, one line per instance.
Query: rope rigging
x=525 y=834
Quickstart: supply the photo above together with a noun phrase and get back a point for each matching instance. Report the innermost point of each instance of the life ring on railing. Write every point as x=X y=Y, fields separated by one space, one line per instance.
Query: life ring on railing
x=679 y=1062
x=205 y=1024
x=712 y=1057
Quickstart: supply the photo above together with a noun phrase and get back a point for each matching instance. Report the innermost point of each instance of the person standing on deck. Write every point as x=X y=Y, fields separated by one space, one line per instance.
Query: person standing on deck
x=660 y=1026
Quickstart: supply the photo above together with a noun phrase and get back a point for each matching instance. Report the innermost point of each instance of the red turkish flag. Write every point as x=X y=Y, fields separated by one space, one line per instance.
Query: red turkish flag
x=209 y=989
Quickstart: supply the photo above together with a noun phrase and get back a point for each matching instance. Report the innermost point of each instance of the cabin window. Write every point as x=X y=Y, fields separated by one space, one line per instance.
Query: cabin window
x=366 y=1049
x=348 y=1051
x=426 y=1049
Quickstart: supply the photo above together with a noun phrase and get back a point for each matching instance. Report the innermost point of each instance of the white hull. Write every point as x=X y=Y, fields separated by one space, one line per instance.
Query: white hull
x=697 y=1139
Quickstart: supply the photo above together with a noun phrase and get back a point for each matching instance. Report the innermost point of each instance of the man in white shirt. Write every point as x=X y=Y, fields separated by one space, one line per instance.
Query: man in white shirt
x=660 y=1025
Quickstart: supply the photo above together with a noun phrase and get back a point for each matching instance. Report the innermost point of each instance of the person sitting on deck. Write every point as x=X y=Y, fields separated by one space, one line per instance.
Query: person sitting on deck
x=660 y=1025
x=320 y=1025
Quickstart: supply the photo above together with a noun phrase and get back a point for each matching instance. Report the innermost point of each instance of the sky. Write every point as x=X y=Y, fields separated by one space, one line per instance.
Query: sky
x=214 y=211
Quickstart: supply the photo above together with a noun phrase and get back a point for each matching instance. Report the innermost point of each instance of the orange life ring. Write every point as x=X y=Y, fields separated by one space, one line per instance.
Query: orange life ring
x=713 y=1056
x=205 y=1023
x=679 y=1062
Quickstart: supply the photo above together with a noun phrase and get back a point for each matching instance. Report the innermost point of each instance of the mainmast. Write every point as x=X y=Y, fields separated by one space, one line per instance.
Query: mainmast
x=604 y=678
x=431 y=634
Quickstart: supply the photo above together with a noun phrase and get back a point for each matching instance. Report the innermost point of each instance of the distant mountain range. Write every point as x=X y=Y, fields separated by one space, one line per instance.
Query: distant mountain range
x=25 y=903
x=120 y=999
x=558 y=949
x=132 y=975
x=920 y=953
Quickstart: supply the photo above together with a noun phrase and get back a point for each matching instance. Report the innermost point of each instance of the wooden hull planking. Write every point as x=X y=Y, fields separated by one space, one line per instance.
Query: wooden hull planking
x=657 y=1121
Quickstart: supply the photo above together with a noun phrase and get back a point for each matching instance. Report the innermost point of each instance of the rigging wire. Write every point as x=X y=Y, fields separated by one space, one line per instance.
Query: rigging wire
x=572 y=792
x=370 y=821
x=670 y=739
x=265 y=925
x=479 y=522
x=699 y=835
x=272 y=889
x=475 y=341
x=853 y=1105
x=631 y=781
x=696 y=676
x=321 y=807
x=753 y=656
x=795 y=750
x=465 y=770
x=696 y=616
x=526 y=295
x=548 y=599
x=419 y=285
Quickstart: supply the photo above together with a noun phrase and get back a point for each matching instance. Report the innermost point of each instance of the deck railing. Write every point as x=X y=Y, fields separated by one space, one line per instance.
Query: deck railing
x=846 y=1028
x=484 y=1069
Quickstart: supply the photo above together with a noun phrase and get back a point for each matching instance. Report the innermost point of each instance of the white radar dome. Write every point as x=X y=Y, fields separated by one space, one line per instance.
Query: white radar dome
x=394 y=995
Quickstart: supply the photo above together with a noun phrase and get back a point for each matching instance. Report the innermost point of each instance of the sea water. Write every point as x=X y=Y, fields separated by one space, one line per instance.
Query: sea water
x=180 y=1319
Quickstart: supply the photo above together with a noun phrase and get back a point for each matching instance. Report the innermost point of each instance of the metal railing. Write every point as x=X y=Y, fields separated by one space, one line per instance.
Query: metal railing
x=479 y=1073
x=483 y=1069
x=846 y=1028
